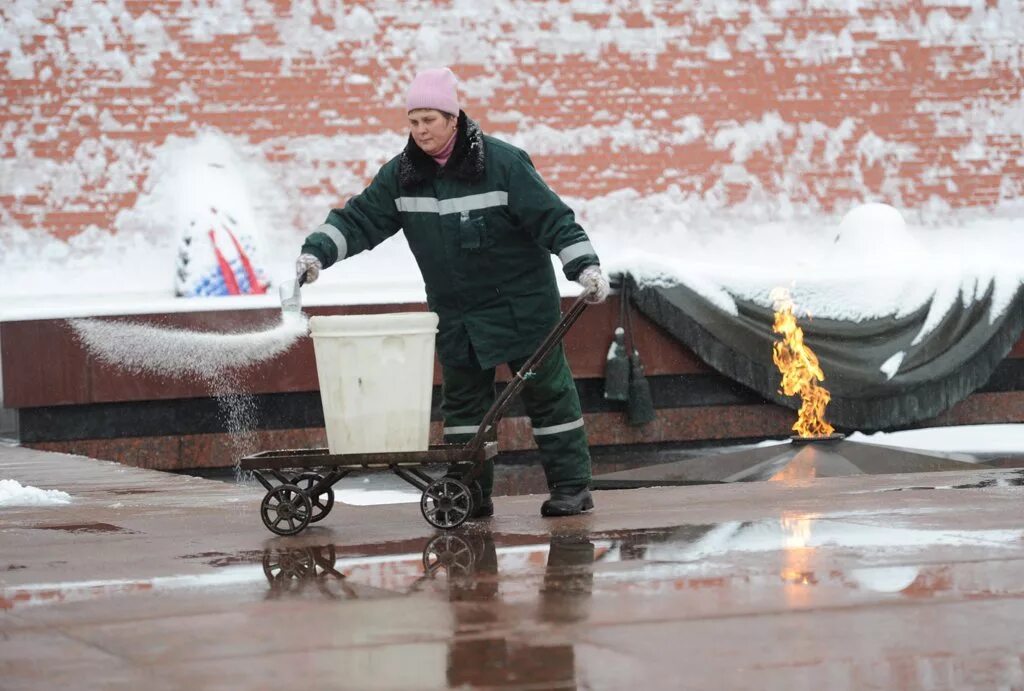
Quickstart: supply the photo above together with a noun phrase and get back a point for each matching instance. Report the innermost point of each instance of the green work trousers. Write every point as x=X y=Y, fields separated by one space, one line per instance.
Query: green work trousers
x=551 y=401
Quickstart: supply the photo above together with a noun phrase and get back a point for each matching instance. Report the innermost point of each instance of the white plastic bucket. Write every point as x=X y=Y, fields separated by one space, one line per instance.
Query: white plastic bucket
x=376 y=374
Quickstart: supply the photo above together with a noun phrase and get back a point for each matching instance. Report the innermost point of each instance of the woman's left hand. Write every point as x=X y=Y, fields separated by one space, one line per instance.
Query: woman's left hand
x=595 y=283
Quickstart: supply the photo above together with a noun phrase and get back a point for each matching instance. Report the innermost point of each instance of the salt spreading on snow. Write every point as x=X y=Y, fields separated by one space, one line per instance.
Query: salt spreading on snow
x=216 y=359
x=177 y=352
x=13 y=493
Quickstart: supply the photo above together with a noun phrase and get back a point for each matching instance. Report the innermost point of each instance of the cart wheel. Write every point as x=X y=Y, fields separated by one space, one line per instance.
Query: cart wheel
x=478 y=493
x=323 y=502
x=448 y=552
x=475 y=490
x=446 y=503
x=286 y=510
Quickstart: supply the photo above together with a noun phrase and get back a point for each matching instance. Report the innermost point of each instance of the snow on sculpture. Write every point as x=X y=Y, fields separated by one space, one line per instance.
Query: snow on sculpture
x=218 y=246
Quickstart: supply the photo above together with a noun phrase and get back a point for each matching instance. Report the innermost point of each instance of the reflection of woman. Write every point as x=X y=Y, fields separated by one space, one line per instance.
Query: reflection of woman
x=568 y=579
x=477 y=660
x=482 y=225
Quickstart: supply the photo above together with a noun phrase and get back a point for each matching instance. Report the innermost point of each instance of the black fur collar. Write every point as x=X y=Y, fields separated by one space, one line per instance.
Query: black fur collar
x=466 y=162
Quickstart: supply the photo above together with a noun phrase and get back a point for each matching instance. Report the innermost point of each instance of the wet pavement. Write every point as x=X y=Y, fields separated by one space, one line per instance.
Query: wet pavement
x=894 y=581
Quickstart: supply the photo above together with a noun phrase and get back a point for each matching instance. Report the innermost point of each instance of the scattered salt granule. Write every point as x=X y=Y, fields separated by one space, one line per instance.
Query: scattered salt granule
x=240 y=416
x=181 y=353
x=13 y=493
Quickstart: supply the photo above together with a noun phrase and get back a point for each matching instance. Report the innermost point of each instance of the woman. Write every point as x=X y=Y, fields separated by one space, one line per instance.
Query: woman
x=482 y=225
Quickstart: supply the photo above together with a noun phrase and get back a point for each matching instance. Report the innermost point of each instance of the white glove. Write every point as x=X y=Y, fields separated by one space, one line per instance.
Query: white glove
x=595 y=283
x=309 y=266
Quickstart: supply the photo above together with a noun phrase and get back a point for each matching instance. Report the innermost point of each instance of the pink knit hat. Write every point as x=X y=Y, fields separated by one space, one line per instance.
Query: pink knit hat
x=434 y=88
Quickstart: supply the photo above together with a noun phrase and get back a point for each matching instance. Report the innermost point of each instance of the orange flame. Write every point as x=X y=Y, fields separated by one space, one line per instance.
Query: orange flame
x=800 y=370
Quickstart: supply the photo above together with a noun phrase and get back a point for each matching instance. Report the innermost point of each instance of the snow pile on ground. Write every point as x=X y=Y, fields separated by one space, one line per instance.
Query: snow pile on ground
x=968 y=439
x=13 y=493
x=962 y=439
x=358 y=497
x=177 y=352
x=375 y=488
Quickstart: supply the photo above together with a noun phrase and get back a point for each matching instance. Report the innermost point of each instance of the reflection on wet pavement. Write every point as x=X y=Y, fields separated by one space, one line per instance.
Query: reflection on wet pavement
x=290 y=571
x=507 y=609
x=470 y=562
x=1015 y=479
x=831 y=583
x=489 y=585
x=84 y=528
x=644 y=560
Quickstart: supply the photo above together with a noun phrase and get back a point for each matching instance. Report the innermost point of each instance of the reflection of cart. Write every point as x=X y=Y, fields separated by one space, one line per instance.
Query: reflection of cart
x=448 y=553
x=303 y=495
x=290 y=570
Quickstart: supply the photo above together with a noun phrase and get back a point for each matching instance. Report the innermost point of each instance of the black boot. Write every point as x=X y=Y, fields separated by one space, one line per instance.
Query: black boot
x=483 y=510
x=567 y=501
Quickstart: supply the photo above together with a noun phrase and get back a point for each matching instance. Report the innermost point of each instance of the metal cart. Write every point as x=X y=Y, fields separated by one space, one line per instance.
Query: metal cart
x=305 y=478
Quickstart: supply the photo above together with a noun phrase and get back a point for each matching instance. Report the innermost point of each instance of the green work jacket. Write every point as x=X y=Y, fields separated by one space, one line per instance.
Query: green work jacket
x=482 y=229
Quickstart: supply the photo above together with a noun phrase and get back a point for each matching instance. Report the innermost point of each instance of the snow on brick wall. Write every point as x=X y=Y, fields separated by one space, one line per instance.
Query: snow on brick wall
x=821 y=103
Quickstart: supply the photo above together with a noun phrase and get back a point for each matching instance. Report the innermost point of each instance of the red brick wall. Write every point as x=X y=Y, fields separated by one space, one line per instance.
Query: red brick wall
x=905 y=102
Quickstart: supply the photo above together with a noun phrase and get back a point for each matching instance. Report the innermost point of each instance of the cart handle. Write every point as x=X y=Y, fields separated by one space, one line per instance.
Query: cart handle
x=499 y=406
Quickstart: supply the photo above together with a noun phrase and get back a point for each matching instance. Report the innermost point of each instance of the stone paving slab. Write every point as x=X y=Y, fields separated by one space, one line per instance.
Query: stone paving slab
x=168 y=581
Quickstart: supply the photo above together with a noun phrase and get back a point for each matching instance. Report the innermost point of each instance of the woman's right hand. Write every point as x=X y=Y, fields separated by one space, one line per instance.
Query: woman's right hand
x=309 y=266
